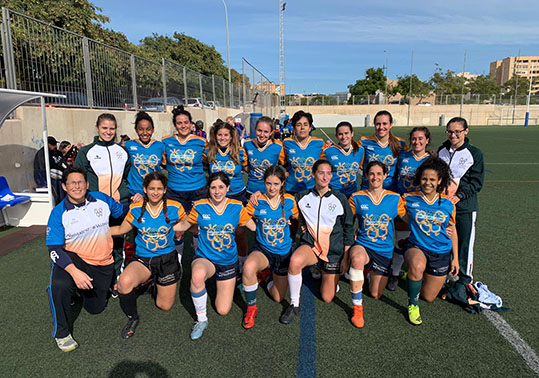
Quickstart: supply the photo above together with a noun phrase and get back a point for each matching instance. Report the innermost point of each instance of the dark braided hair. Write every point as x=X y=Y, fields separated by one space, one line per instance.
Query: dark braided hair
x=278 y=172
x=441 y=168
x=154 y=176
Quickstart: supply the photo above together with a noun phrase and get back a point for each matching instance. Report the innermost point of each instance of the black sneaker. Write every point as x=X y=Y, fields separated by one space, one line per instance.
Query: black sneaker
x=129 y=330
x=289 y=314
x=392 y=283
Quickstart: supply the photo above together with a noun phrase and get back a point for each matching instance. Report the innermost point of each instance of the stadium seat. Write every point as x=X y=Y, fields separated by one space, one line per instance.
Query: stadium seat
x=7 y=198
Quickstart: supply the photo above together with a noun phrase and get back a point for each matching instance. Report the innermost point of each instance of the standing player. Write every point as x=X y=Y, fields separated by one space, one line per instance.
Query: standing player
x=407 y=164
x=145 y=153
x=467 y=167
x=155 y=255
x=184 y=163
x=263 y=152
x=80 y=247
x=347 y=158
x=224 y=154
x=217 y=218
x=375 y=208
x=273 y=246
x=107 y=165
x=429 y=249
x=329 y=225
x=384 y=147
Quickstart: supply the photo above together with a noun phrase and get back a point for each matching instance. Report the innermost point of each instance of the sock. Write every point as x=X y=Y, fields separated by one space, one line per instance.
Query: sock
x=250 y=294
x=128 y=304
x=195 y=242
x=199 y=300
x=179 y=248
x=357 y=297
x=396 y=263
x=294 y=282
x=414 y=288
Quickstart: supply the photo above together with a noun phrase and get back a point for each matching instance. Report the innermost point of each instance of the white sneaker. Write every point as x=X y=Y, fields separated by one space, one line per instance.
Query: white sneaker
x=66 y=344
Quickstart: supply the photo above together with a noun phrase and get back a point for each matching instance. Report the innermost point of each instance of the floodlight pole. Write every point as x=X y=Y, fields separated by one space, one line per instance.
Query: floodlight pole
x=385 y=90
x=228 y=55
x=410 y=92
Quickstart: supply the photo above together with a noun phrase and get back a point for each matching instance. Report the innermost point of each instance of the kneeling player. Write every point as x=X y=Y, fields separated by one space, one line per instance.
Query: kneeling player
x=80 y=246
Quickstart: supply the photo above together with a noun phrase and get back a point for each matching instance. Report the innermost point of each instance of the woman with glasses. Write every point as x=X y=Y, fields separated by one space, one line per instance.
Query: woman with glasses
x=467 y=168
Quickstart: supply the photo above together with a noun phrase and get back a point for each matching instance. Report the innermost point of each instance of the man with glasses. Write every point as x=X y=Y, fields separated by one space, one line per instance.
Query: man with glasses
x=80 y=247
x=467 y=168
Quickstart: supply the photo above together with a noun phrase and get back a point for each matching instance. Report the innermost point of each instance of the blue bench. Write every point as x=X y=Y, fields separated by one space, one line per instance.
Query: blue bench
x=8 y=199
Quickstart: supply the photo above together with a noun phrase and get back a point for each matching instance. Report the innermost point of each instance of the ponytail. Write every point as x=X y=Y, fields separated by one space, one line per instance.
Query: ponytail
x=394 y=144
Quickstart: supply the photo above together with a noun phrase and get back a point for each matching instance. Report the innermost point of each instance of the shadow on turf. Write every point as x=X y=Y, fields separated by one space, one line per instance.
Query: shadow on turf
x=132 y=369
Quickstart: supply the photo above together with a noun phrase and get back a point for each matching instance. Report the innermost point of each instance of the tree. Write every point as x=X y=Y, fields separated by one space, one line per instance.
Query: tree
x=185 y=50
x=522 y=84
x=419 y=88
x=374 y=80
x=483 y=84
x=79 y=16
x=446 y=83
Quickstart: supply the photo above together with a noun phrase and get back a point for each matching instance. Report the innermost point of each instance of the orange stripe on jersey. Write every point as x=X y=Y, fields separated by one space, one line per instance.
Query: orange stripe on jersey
x=402 y=207
x=353 y=203
x=244 y=216
x=250 y=209
x=181 y=211
x=295 y=211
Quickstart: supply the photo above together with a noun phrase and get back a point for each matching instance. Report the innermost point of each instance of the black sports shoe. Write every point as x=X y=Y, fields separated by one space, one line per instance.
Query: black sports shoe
x=289 y=314
x=392 y=283
x=129 y=330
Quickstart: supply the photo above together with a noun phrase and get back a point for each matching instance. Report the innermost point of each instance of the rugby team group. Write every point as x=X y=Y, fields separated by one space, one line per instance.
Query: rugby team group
x=411 y=204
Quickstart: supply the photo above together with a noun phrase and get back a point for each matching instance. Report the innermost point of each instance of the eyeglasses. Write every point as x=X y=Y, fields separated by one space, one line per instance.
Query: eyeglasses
x=75 y=183
x=455 y=132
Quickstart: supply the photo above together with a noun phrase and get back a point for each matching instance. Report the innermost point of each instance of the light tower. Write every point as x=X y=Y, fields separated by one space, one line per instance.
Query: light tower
x=282 y=110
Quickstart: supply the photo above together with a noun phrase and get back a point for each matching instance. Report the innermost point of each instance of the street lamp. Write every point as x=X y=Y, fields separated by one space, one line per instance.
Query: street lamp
x=228 y=55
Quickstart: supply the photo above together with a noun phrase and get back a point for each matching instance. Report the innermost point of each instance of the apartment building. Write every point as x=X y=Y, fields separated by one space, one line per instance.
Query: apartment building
x=524 y=66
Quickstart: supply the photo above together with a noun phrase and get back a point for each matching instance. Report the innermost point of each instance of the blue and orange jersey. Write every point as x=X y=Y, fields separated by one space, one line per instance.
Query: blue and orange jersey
x=184 y=162
x=223 y=162
x=155 y=236
x=145 y=158
x=84 y=229
x=260 y=159
x=376 y=219
x=272 y=230
x=376 y=151
x=217 y=229
x=429 y=221
x=406 y=167
x=346 y=168
x=300 y=158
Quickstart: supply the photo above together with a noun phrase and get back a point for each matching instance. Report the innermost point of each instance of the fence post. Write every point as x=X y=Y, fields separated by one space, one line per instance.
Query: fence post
x=200 y=86
x=134 y=82
x=164 y=86
x=243 y=81
x=213 y=88
x=185 y=86
x=87 y=72
x=224 y=94
x=7 y=48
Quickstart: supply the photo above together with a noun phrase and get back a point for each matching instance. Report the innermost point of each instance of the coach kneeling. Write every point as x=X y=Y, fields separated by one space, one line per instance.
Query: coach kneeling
x=80 y=247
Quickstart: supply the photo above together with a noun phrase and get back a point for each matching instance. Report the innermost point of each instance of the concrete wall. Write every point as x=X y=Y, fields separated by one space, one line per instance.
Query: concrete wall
x=329 y=116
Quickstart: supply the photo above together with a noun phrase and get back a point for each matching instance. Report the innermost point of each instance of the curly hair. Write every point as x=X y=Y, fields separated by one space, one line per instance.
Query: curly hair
x=213 y=145
x=441 y=168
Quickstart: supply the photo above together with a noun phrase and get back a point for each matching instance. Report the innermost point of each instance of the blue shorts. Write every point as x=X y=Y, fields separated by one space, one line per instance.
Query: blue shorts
x=278 y=264
x=223 y=272
x=377 y=263
x=187 y=197
x=438 y=264
x=241 y=196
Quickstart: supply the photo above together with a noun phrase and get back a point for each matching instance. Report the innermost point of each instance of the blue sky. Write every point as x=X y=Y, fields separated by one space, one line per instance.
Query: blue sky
x=330 y=44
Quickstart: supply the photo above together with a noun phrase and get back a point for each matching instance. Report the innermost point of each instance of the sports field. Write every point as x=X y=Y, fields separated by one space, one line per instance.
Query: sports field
x=321 y=342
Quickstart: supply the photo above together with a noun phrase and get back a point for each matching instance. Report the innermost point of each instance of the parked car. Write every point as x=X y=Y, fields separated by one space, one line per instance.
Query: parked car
x=195 y=103
x=214 y=104
x=157 y=104
x=424 y=103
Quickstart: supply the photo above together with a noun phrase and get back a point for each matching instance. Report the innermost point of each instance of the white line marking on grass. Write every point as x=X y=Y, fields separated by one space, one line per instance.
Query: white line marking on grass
x=525 y=351
x=512 y=163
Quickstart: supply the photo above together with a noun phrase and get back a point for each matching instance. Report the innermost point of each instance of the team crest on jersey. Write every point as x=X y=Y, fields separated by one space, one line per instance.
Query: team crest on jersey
x=302 y=168
x=118 y=155
x=155 y=239
x=145 y=164
x=376 y=226
x=332 y=207
x=462 y=161
x=98 y=212
x=181 y=159
x=220 y=236
x=429 y=222
x=347 y=172
x=273 y=230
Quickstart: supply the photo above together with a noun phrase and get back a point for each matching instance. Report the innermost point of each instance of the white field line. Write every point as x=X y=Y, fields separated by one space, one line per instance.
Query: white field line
x=522 y=348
